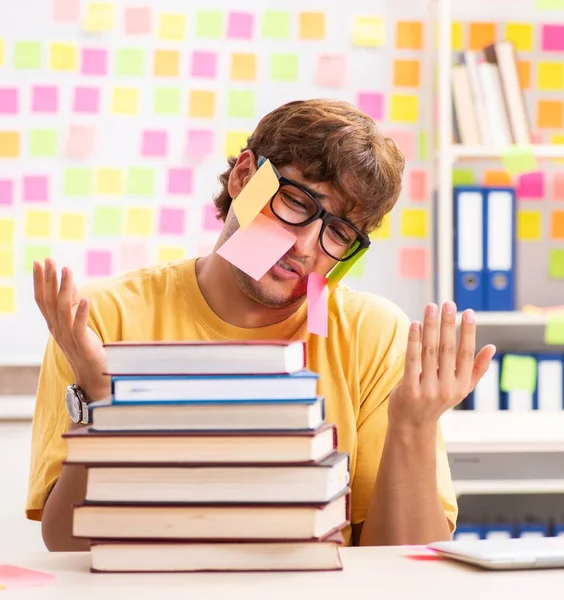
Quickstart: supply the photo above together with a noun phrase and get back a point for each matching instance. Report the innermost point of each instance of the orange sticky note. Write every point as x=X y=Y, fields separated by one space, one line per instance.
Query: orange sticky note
x=406 y=73
x=497 y=178
x=524 y=71
x=202 y=104
x=254 y=196
x=482 y=35
x=9 y=144
x=550 y=114
x=409 y=35
x=243 y=67
x=557 y=225
x=312 y=25
x=317 y=300
x=258 y=248
x=166 y=63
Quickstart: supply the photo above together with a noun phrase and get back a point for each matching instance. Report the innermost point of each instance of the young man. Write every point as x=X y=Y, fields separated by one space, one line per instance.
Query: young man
x=386 y=382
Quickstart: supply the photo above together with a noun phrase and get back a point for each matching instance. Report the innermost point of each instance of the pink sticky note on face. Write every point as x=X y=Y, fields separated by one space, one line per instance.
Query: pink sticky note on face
x=180 y=181
x=553 y=38
x=80 y=141
x=6 y=192
x=8 y=101
x=257 y=248
x=17 y=577
x=137 y=20
x=531 y=186
x=86 y=100
x=211 y=222
x=417 y=185
x=405 y=141
x=413 y=263
x=154 y=143
x=64 y=11
x=44 y=98
x=132 y=255
x=35 y=188
x=98 y=263
x=94 y=61
x=317 y=300
x=371 y=103
x=331 y=70
x=204 y=64
x=240 y=25
x=171 y=221
x=558 y=186
x=200 y=143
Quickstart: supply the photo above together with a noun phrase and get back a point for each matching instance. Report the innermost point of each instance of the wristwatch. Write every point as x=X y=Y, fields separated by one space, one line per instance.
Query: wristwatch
x=77 y=407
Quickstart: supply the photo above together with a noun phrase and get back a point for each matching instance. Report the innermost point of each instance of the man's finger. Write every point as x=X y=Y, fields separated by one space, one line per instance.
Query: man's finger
x=80 y=325
x=447 y=344
x=481 y=364
x=466 y=348
x=430 y=347
x=39 y=291
x=65 y=315
x=51 y=292
x=412 y=368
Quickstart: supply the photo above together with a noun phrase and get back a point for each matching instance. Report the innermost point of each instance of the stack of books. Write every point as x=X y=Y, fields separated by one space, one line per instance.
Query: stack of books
x=211 y=457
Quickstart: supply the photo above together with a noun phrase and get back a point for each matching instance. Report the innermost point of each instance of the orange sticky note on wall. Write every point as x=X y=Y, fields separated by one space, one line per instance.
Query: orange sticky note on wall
x=9 y=144
x=550 y=114
x=482 y=34
x=317 y=304
x=524 y=71
x=406 y=73
x=409 y=35
x=254 y=196
x=497 y=178
x=557 y=225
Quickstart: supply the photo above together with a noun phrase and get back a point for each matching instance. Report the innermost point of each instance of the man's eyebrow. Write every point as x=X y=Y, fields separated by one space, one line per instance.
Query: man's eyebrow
x=317 y=195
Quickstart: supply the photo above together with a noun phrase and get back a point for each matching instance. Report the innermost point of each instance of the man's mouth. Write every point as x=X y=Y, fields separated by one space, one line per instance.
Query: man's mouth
x=286 y=266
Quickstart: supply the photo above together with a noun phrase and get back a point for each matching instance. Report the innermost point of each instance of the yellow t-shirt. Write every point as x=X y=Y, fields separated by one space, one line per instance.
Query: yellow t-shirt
x=359 y=363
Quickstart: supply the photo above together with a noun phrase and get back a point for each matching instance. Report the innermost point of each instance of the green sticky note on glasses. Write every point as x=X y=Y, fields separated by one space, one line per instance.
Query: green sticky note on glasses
x=343 y=267
x=254 y=196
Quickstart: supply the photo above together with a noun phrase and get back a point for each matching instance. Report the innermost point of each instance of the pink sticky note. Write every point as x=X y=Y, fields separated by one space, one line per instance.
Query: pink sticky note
x=240 y=25
x=257 y=248
x=413 y=263
x=531 y=186
x=200 y=143
x=372 y=103
x=86 y=100
x=64 y=10
x=553 y=38
x=558 y=186
x=417 y=185
x=405 y=141
x=18 y=577
x=171 y=221
x=180 y=181
x=8 y=101
x=137 y=20
x=132 y=255
x=6 y=192
x=211 y=222
x=98 y=263
x=331 y=70
x=94 y=61
x=79 y=141
x=154 y=143
x=44 y=98
x=204 y=64
x=35 y=188
x=317 y=300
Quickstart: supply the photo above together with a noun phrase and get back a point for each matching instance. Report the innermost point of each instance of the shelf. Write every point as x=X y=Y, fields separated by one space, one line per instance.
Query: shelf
x=531 y=486
x=539 y=150
x=512 y=318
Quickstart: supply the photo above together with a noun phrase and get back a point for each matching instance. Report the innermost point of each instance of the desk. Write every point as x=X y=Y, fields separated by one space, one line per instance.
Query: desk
x=369 y=573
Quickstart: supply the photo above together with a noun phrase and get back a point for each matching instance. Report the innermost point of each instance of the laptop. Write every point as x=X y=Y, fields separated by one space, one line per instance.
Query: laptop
x=512 y=553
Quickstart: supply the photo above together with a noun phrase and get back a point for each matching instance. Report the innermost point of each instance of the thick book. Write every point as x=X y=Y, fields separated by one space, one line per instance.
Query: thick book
x=251 y=484
x=205 y=357
x=196 y=447
x=212 y=522
x=234 y=416
x=110 y=556
x=214 y=388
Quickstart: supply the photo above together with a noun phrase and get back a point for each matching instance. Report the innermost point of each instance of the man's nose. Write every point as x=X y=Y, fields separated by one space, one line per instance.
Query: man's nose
x=307 y=238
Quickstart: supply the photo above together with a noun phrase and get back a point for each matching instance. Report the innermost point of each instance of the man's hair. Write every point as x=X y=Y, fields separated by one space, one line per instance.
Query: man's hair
x=329 y=141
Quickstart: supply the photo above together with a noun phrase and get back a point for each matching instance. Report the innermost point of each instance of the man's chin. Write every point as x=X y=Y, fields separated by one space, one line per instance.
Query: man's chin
x=273 y=291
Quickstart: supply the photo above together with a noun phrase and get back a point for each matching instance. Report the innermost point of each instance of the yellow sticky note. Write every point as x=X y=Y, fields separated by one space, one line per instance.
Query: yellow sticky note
x=554 y=329
x=528 y=225
x=167 y=63
x=6 y=263
x=100 y=16
x=9 y=144
x=244 y=67
x=312 y=25
x=550 y=75
x=172 y=26
x=72 y=226
x=368 y=31
x=235 y=141
x=521 y=34
x=7 y=299
x=139 y=221
x=125 y=101
x=37 y=223
x=63 y=57
x=557 y=138
x=413 y=223
x=109 y=181
x=457 y=36
x=7 y=229
x=384 y=232
x=202 y=104
x=404 y=108
x=168 y=253
x=253 y=197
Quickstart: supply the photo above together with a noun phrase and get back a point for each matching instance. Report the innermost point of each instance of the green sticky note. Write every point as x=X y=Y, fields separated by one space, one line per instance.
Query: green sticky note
x=276 y=24
x=43 y=143
x=556 y=264
x=358 y=268
x=554 y=330
x=33 y=253
x=167 y=101
x=343 y=267
x=241 y=103
x=462 y=177
x=284 y=67
x=140 y=182
x=108 y=221
x=549 y=5
x=78 y=182
x=27 y=55
x=518 y=373
x=423 y=145
x=519 y=159
x=209 y=24
x=130 y=62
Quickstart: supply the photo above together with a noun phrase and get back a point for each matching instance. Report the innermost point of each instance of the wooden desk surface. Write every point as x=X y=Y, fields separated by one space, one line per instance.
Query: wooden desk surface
x=371 y=573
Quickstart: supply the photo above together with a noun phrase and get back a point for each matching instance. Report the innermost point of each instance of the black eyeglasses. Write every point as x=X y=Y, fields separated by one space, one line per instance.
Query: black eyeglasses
x=296 y=206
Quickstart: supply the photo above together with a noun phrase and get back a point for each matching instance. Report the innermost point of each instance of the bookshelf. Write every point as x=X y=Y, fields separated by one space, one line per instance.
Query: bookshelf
x=459 y=151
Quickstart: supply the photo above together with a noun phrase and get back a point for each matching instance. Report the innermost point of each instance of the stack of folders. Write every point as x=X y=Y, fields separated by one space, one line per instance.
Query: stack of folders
x=211 y=457
x=543 y=390
x=484 y=248
x=504 y=529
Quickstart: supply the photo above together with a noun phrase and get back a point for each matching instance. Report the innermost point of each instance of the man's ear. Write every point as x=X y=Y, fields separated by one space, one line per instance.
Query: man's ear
x=244 y=169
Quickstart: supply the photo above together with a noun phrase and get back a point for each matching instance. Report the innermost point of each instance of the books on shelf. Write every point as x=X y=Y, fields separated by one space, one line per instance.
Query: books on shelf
x=206 y=470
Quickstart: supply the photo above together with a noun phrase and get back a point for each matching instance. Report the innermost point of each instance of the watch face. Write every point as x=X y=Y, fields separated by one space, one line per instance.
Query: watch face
x=73 y=405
